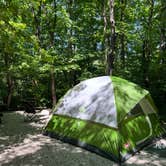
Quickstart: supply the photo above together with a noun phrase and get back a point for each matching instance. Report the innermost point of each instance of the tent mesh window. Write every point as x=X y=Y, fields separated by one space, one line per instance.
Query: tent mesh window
x=136 y=111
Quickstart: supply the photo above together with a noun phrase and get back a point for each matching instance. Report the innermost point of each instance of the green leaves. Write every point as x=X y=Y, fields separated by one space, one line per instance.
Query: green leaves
x=72 y=38
x=63 y=18
x=17 y=26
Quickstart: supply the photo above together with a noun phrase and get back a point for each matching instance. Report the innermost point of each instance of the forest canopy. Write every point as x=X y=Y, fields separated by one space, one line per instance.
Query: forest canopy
x=48 y=46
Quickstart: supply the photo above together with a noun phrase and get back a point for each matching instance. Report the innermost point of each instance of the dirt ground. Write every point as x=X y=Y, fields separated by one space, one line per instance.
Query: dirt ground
x=22 y=144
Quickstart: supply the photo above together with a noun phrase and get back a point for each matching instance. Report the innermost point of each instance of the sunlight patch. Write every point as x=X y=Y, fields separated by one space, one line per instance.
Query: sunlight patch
x=30 y=145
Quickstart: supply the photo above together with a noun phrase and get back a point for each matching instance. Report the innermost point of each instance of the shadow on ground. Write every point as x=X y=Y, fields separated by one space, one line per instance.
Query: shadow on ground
x=22 y=144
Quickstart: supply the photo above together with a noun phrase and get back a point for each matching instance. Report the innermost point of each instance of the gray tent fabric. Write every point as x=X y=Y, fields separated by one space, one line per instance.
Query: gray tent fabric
x=95 y=102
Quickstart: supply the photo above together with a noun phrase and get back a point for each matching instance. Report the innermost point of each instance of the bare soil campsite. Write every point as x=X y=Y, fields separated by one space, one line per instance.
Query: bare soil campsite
x=23 y=144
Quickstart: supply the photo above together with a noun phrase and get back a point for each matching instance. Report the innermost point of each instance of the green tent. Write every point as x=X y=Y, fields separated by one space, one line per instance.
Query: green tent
x=107 y=115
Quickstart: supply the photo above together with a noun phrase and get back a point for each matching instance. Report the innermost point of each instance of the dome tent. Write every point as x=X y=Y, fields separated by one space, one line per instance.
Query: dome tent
x=107 y=115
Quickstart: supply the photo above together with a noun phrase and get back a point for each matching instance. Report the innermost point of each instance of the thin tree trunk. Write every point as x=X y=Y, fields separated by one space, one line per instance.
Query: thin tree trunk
x=69 y=30
x=52 y=42
x=122 y=36
x=71 y=76
x=145 y=64
x=105 y=39
x=37 y=21
x=53 y=88
x=10 y=82
x=111 y=54
x=122 y=53
x=163 y=33
x=147 y=46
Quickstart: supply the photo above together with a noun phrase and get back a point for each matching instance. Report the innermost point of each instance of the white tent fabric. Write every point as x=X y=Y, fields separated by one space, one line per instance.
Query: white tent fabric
x=92 y=100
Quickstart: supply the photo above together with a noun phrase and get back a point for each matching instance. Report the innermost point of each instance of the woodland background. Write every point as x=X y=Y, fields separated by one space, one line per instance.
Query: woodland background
x=48 y=46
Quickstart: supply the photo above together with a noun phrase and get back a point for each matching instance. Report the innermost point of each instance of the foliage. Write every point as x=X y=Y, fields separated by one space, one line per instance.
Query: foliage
x=62 y=42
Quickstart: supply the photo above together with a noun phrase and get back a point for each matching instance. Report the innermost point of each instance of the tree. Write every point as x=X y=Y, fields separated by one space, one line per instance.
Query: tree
x=111 y=54
x=48 y=46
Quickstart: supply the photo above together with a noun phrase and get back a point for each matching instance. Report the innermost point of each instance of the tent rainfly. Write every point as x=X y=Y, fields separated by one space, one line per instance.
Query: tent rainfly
x=107 y=115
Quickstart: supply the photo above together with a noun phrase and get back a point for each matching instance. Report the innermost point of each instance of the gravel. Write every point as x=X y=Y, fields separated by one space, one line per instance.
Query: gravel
x=22 y=144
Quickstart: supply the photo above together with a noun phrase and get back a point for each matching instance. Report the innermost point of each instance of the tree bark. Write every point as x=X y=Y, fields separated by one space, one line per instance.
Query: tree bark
x=52 y=43
x=162 y=33
x=122 y=36
x=70 y=31
x=53 y=88
x=10 y=82
x=122 y=52
x=111 y=54
x=145 y=63
x=105 y=36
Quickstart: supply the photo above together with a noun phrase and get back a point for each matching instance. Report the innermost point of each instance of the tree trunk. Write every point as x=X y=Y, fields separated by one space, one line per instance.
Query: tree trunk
x=71 y=76
x=111 y=54
x=147 y=46
x=122 y=36
x=122 y=52
x=52 y=43
x=105 y=38
x=10 y=82
x=145 y=63
x=70 y=31
x=53 y=88
x=162 y=33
